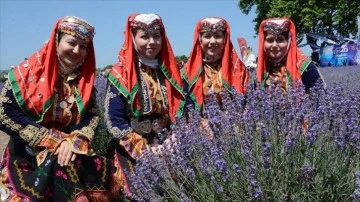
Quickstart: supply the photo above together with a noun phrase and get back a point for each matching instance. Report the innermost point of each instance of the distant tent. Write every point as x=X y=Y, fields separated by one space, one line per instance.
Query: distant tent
x=322 y=38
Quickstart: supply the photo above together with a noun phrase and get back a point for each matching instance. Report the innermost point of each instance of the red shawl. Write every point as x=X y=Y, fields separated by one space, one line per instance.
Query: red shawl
x=295 y=58
x=124 y=77
x=34 y=80
x=232 y=69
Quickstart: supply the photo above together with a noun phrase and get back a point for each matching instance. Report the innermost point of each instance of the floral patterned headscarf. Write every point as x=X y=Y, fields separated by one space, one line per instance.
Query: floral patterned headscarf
x=34 y=80
x=123 y=74
x=233 y=71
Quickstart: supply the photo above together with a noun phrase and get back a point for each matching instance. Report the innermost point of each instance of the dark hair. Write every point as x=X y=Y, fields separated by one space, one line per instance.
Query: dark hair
x=60 y=34
x=201 y=33
x=134 y=31
x=286 y=35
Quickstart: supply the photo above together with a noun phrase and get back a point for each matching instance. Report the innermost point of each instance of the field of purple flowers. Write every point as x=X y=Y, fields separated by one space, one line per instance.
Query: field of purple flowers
x=271 y=146
x=349 y=75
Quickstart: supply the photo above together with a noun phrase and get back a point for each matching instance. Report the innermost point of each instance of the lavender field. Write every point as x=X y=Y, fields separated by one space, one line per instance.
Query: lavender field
x=349 y=75
x=289 y=147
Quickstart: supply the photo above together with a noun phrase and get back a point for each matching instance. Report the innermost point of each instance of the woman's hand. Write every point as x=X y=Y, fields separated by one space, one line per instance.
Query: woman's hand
x=64 y=153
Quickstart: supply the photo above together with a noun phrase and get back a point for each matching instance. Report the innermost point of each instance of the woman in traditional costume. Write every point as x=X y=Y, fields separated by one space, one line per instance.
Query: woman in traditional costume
x=47 y=109
x=213 y=64
x=144 y=95
x=279 y=58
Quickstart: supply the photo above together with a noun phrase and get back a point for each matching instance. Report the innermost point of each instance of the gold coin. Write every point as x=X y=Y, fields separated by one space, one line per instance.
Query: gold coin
x=71 y=99
x=63 y=104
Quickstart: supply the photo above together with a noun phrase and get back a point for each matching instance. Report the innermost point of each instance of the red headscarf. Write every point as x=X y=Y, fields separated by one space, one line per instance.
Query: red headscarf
x=232 y=69
x=124 y=77
x=295 y=58
x=34 y=80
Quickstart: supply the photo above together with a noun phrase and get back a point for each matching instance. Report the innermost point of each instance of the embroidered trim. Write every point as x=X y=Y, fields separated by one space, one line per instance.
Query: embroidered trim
x=304 y=66
x=213 y=25
x=88 y=131
x=276 y=26
x=191 y=83
x=163 y=89
x=147 y=22
x=6 y=120
x=77 y=27
x=114 y=131
x=145 y=101
x=166 y=73
x=22 y=182
x=129 y=95
x=79 y=104
x=33 y=134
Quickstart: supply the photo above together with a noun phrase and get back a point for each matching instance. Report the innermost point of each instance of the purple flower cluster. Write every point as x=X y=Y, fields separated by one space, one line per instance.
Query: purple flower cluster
x=268 y=145
x=356 y=194
x=100 y=89
x=307 y=173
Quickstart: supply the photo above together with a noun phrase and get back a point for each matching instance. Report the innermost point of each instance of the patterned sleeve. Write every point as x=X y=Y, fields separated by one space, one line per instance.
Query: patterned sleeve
x=118 y=126
x=15 y=123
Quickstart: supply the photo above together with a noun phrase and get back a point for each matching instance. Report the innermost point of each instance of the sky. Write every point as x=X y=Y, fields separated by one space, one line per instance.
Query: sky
x=26 y=24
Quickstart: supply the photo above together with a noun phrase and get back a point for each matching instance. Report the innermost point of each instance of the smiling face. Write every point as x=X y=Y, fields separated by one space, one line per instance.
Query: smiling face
x=72 y=50
x=148 y=44
x=276 y=46
x=212 y=43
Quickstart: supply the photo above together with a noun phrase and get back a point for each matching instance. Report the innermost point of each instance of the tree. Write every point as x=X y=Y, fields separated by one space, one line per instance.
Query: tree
x=332 y=17
x=180 y=58
x=3 y=75
x=107 y=67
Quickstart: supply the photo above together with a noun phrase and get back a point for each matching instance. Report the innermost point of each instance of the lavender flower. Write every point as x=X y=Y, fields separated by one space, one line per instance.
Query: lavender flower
x=307 y=173
x=268 y=145
x=356 y=194
x=100 y=89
